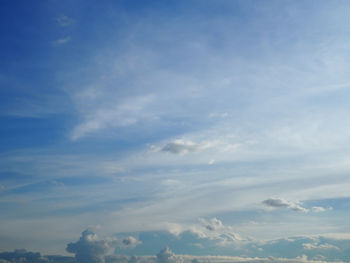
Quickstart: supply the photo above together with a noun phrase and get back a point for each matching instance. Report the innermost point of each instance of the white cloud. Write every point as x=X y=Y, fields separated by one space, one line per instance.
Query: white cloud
x=90 y=249
x=167 y=256
x=126 y=113
x=313 y=246
x=318 y=209
x=214 y=229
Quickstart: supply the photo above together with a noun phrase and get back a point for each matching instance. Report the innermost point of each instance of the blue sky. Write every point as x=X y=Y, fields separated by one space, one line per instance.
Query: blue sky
x=212 y=127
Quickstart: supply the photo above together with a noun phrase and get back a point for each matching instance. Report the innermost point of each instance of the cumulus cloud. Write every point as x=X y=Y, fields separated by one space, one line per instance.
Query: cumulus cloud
x=130 y=242
x=23 y=256
x=282 y=203
x=167 y=256
x=214 y=229
x=213 y=224
x=90 y=249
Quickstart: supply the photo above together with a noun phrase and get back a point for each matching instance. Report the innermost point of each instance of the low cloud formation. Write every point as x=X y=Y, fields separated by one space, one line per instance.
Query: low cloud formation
x=181 y=146
x=282 y=203
x=214 y=229
x=130 y=242
x=167 y=256
x=164 y=256
x=89 y=249
x=213 y=224
x=294 y=206
x=312 y=246
x=23 y=256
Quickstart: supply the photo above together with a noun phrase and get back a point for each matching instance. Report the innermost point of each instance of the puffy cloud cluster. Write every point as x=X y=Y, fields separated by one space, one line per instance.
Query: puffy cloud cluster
x=167 y=256
x=23 y=256
x=214 y=229
x=130 y=242
x=164 y=256
x=90 y=249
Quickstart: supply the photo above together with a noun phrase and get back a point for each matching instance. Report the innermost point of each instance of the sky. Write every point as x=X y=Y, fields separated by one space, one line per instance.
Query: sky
x=215 y=130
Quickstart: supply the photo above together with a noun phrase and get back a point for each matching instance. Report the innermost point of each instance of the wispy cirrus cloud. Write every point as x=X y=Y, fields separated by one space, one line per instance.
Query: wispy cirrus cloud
x=126 y=113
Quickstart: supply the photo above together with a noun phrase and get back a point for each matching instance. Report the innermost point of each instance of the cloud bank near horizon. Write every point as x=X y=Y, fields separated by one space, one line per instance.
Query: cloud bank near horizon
x=128 y=249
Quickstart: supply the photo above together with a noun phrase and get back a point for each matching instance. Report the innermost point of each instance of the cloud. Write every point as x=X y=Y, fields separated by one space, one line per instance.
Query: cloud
x=181 y=146
x=214 y=229
x=280 y=203
x=126 y=113
x=213 y=224
x=90 y=249
x=318 y=209
x=64 y=21
x=130 y=242
x=24 y=256
x=294 y=206
x=167 y=256
x=62 y=41
x=313 y=246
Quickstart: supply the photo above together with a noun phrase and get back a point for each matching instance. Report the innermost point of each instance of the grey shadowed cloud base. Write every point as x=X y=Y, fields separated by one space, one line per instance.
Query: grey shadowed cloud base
x=295 y=206
x=182 y=147
x=91 y=249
